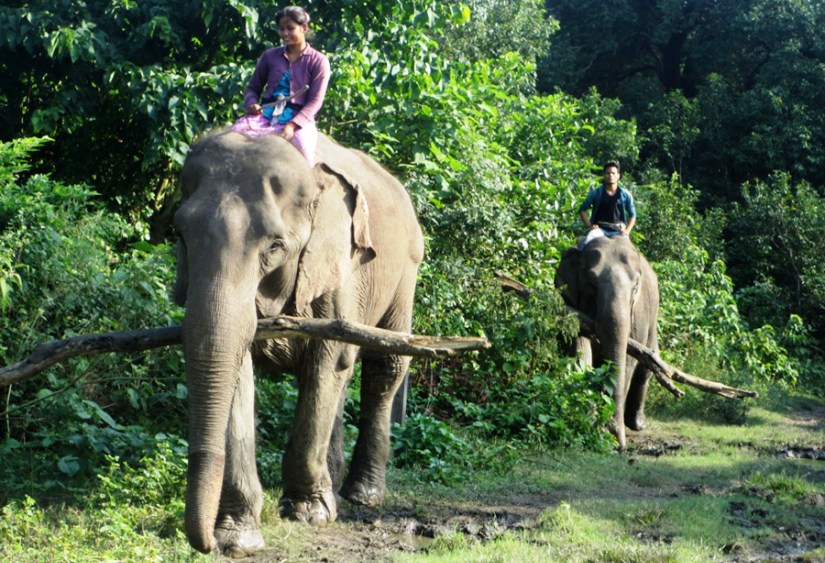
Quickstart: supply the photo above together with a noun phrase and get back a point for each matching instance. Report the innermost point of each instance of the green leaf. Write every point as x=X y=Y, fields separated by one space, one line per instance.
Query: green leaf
x=69 y=465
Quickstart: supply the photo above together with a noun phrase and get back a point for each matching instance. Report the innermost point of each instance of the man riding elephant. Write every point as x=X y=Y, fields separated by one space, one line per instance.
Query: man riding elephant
x=612 y=212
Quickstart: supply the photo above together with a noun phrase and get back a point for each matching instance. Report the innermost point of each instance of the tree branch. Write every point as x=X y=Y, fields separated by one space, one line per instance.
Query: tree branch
x=51 y=353
x=664 y=373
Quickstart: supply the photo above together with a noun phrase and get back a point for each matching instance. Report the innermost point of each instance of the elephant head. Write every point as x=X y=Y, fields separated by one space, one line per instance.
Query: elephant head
x=249 y=247
x=613 y=284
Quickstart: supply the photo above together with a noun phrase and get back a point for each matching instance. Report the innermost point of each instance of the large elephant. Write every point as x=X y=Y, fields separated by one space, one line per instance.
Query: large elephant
x=264 y=234
x=611 y=282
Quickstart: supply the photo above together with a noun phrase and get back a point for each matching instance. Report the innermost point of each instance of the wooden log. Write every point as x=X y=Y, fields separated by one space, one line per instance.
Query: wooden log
x=664 y=373
x=645 y=355
x=51 y=353
x=711 y=386
x=365 y=336
x=509 y=284
x=48 y=354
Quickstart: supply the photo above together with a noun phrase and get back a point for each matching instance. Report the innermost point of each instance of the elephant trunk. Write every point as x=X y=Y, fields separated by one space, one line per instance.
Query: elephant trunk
x=217 y=334
x=613 y=331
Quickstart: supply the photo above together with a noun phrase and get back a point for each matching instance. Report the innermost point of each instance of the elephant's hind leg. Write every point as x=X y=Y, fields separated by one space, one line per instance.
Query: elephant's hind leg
x=380 y=378
x=238 y=526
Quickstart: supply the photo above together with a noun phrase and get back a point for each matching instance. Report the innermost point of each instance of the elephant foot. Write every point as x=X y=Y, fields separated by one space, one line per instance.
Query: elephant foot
x=364 y=494
x=638 y=422
x=315 y=510
x=236 y=540
x=617 y=429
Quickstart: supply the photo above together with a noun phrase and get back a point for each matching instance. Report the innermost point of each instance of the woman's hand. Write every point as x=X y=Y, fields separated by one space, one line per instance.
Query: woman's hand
x=289 y=131
x=254 y=109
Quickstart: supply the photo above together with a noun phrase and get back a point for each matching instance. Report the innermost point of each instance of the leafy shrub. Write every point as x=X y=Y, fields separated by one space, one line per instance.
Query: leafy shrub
x=775 y=253
x=699 y=311
x=78 y=272
x=569 y=407
x=159 y=478
x=701 y=330
x=438 y=453
x=21 y=520
x=274 y=408
x=669 y=222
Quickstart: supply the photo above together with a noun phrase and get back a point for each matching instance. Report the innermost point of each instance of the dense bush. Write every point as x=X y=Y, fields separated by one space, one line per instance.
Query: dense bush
x=439 y=454
x=70 y=267
x=776 y=232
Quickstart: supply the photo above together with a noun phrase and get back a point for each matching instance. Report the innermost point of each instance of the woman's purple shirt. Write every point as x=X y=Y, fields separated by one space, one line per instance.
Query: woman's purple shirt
x=312 y=68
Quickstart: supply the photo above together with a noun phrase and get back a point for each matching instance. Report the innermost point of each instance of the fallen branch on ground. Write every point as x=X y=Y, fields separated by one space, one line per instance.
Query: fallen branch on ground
x=51 y=353
x=664 y=373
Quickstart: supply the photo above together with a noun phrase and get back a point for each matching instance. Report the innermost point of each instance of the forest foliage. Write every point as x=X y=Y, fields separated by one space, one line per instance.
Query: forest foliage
x=496 y=140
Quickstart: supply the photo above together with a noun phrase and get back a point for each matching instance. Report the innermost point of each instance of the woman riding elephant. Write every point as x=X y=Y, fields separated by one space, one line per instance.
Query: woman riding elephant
x=288 y=87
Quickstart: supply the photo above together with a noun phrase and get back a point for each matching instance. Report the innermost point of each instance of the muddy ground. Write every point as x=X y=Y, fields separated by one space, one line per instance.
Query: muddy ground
x=412 y=526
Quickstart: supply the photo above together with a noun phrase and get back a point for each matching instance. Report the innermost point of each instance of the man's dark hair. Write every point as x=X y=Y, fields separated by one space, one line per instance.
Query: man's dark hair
x=612 y=164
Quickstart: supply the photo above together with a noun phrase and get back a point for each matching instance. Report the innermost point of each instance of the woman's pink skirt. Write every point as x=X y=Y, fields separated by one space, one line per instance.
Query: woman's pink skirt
x=305 y=138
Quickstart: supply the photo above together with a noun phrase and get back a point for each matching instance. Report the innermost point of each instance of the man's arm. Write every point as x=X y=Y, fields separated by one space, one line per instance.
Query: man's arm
x=629 y=227
x=631 y=211
x=589 y=202
x=586 y=220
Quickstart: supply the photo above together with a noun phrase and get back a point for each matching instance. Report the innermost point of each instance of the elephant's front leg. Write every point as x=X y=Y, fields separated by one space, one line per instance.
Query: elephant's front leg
x=238 y=526
x=616 y=425
x=634 y=415
x=308 y=488
x=380 y=379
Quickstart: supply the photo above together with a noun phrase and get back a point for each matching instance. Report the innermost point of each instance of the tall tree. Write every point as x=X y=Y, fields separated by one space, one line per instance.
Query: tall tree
x=608 y=43
x=122 y=86
x=740 y=82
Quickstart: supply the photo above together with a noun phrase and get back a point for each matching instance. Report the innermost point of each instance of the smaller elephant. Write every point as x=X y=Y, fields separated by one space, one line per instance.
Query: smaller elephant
x=611 y=282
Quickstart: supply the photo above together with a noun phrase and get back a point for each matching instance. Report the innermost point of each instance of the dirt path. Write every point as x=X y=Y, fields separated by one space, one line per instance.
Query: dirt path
x=410 y=524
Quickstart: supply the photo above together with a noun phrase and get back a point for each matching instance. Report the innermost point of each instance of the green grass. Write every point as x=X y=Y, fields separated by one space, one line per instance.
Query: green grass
x=724 y=491
x=716 y=492
x=29 y=532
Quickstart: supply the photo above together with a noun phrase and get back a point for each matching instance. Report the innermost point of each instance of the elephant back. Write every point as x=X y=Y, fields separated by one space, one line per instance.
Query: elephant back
x=358 y=169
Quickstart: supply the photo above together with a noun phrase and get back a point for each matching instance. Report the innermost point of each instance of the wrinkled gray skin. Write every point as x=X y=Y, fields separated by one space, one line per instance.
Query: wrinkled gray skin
x=612 y=283
x=264 y=234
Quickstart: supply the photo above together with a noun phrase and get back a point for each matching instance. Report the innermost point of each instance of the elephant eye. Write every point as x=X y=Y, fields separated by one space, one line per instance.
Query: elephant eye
x=277 y=246
x=274 y=255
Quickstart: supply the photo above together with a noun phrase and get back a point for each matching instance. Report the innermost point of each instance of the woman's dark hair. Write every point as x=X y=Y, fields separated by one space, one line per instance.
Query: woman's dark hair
x=295 y=13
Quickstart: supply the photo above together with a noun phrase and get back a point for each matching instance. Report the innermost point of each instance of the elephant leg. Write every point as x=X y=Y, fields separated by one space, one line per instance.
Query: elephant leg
x=380 y=378
x=308 y=493
x=634 y=415
x=617 y=426
x=584 y=351
x=238 y=526
x=336 y=464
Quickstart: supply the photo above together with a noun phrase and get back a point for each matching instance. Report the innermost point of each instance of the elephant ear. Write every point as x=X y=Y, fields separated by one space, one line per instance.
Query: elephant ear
x=339 y=242
x=182 y=278
x=567 y=276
